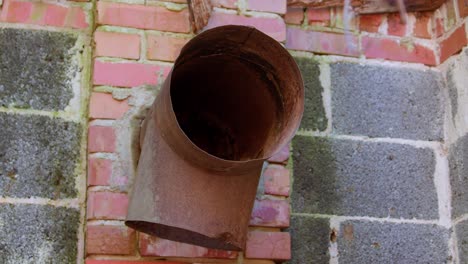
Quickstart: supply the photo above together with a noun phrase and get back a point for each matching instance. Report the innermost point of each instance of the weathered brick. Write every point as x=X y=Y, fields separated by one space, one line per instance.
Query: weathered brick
x=294 y=15
x=232 y=4
x=144 y=17
x=38 y=156
x=110 y=240
x=154 y=246
x=165 y=48
x=127 y=74
x=396 y=27
x=99 y=171
x=310 y=238
x=281 y=156
x=381 y=101
x=114 y=44
x=375 y=242
x=322 y=42
x=397 y=50
x=461 y=230
x=314 y=117
x=101 y=139
x=273 y=6
x=274 y=27
x=423 y=25
x=104 y=106
x=359 y=178
x=268 y=245
x=370 y=23
x=107 y=205
x=453 y=44
x=38 y=69
x=322 y=16
x=107 y=261
x=270 y=213
x=38 y=234
x=338 y=20
x=46 y=14
x=276 y=180
x=458 y=162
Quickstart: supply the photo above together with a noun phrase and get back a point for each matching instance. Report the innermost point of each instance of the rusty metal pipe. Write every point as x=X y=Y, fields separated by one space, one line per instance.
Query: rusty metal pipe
x=233 y=99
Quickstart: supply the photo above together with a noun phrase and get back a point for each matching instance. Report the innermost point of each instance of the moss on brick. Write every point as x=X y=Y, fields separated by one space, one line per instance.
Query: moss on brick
x=36 y=68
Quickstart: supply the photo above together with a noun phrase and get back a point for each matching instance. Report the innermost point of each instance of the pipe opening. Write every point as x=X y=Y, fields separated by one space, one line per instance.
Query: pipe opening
x=226 y=105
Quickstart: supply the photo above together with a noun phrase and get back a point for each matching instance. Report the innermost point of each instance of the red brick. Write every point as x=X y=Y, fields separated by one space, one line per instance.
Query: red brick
x=371 y=23
x=40 y=13
x=127 y=74
x=281 y=156
x=273 y=6
x=319 y=16
x=294 y=15
x=110 y=240
x=165 y=48
x=144 y=17
x=99 y=171
x=268 y=245
x=382 y=48
x=423 y=26
x=104 y=106
x=453 y=44
x=153 y=246
x=101 y=139
x=396 y=27
x=276 y=180
x=270 y=213
x=232 y=4
x=107 y=205
x=274 y=27
x=113 y=44
x=322 y=42
x=106 y=261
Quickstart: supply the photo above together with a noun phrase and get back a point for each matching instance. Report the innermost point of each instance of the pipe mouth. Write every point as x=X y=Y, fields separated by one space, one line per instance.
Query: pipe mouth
x=222 y=241
x=236 y=94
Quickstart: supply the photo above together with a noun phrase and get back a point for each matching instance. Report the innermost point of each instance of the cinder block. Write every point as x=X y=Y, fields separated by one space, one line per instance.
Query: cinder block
x=36 y=68
x=310 y=239
x=461 y=230
x=38 y=156
x=361 y=178
x=383 y=101
x=314 y=117
x=375 y=242
x=38 y=234
x=458 y=162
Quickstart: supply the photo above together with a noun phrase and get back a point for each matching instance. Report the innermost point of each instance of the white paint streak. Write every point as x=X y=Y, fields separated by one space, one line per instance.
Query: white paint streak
x=442 y=185
x=69 y=203
x=325 y=80
x=371 y=219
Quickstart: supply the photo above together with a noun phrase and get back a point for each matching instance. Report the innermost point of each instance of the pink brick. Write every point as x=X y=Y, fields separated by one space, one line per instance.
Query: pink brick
x=276 y=180
x=144 y=17
x=274 y=27
x=232 y=4
x=165 y=48
x=107 y=261
x=127 y=74
x=110 y=240
x=76 y=18
x=270 y=213
x=113 y=44
x=281 y=156
x=54 y=15
x=453 y=44
x=395 y=25
x=370 y=23
x=99 y=172
x=322 y=42
x=107 y=205
x=294 y=15
x=104 y=106
x=153 y=246
x=273 y=6
x=16 y=12
x=268 y=245
x=101 y=139
x=390 y=49
x=319 y=16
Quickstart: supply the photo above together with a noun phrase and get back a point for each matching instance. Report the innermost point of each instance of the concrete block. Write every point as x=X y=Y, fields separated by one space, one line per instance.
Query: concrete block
x=458 y=162
x=461 y=230
x=362 y=178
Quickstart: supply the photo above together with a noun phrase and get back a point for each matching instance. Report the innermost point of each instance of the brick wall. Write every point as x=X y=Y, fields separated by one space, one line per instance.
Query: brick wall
x=377 y=172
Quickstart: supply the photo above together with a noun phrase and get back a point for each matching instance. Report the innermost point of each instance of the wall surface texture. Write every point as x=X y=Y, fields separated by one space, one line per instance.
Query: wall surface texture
x=377 y=173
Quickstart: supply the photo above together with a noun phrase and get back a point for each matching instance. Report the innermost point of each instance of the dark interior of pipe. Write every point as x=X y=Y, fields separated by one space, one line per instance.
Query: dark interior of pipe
x=226 y=106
